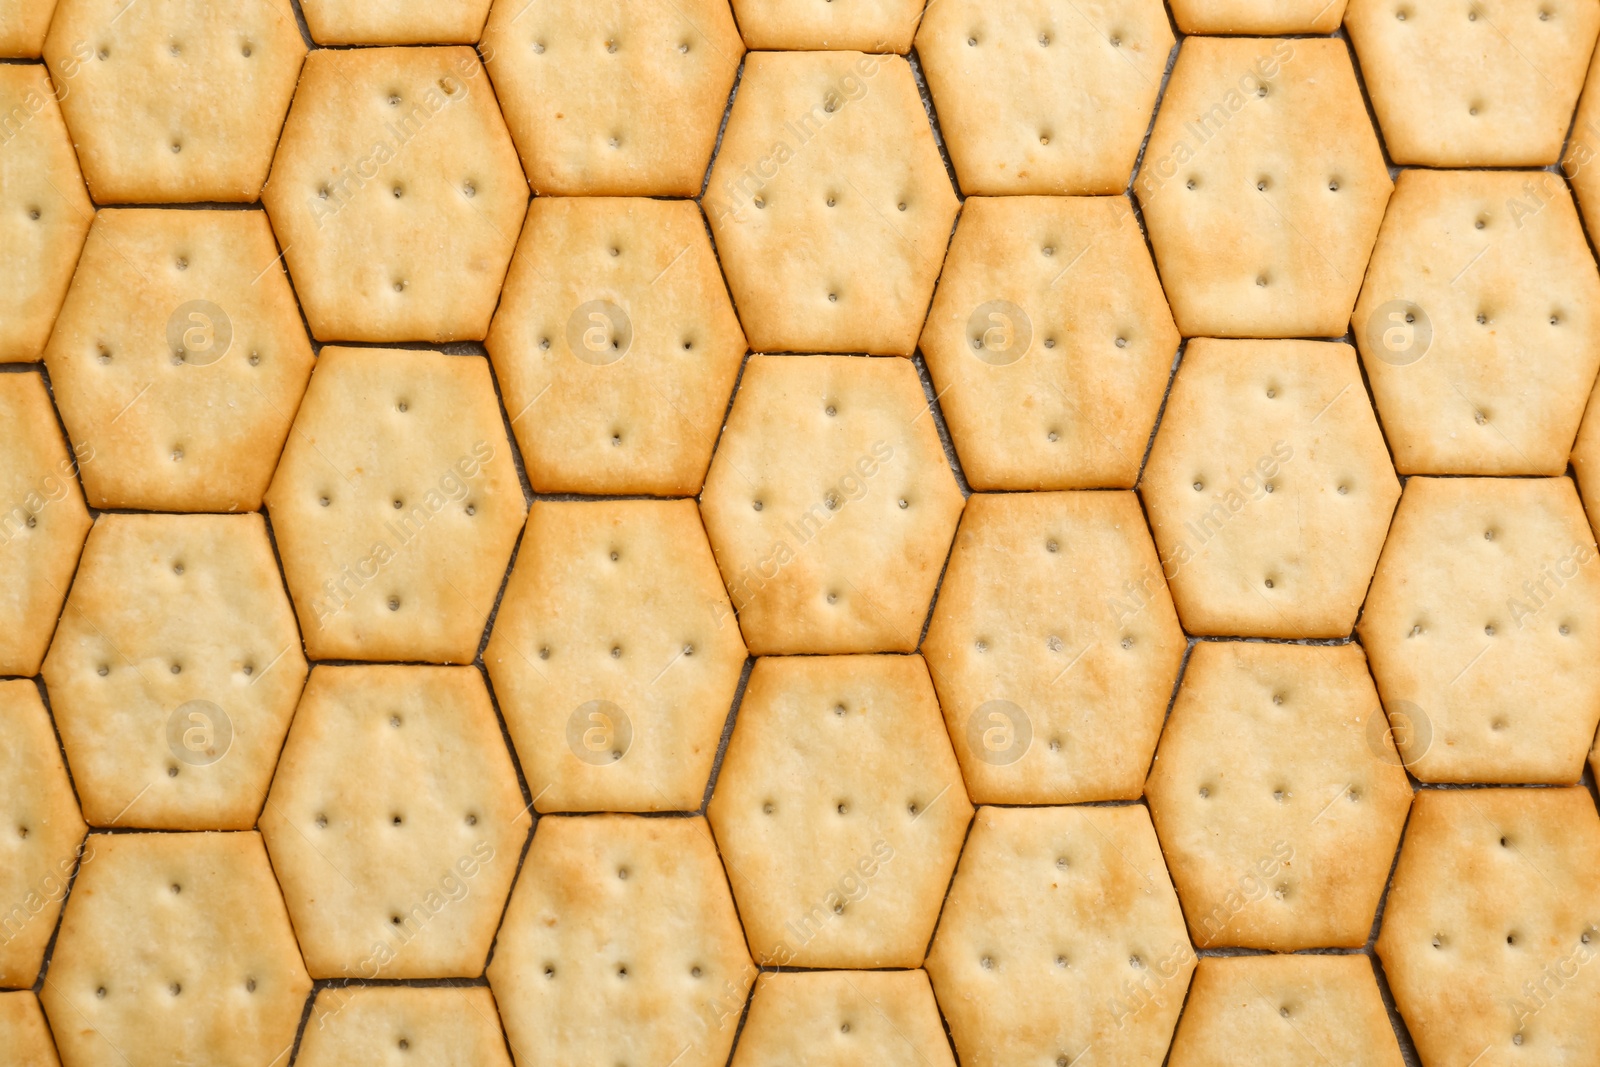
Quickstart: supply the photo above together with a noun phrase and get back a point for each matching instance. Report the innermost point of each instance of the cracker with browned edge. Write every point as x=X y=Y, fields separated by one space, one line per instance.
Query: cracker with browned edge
x=432 y=1026
x=843 y=1019
x=24 y=1032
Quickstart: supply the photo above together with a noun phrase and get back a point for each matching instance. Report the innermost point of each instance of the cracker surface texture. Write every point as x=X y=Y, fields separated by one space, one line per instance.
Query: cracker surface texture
x=865 y=25
x=844 y=1019
x=432 y=1026
x=395 y=21
x=1261 y=17
x=24 y=1032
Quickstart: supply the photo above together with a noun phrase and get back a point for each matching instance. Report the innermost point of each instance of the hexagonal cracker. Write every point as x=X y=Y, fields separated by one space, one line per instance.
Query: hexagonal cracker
x=1479 y=322
x=396 y=223
x=593 y=282
x=1278 y=1006
x=24 y=1032
x=840 y=809
x=1257 y=17
x=615 y=656
x=800 y=516
x=174 y=671
x=175 y=948
x=866 y=25
x=1061 y=934
x=394 y=21
x=879 y=1017
x=170 y=101
x=1269 y=488
x=1482 y=627
x=437 y=1025
x=1456 y=86
x=1490 y=924
x=1262 y=187
x=1040 y=97
x=609 y=98
x=42 y=830
x=44 y=210
x=386 y=442
x=395 y=822
x=1054 y=668
x=1045 y=385
x=43 y=523
x=621 y=944
x=1278 y=796
x=179 y=359
x=827 y=248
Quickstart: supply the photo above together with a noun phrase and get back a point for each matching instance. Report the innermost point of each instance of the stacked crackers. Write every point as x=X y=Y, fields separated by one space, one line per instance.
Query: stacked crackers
x=830 y=531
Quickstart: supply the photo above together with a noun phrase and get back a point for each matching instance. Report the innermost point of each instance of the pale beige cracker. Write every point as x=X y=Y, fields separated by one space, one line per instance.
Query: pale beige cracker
x=840 y=810
x=866 y=25
x=615 y=346
x=830 y=505
x=1049 y=343
x=1483 y=630
x=1580 y=162
x=1492 y=926
x=1586 y=459
x=174 y=101
x=1054 y=647
x=615 y=656
x=1258 y=17
x=44 y=210
x=396 y=505
x=396 y=195
x=844 y=1019
x=41 y=833
x=175 y=948
x=1262 y=187
x=1061 y=941
x=1491 y=83
x=23 y=24
x=1284 y=1011
x=432 y=1026
x=611 y=98
x=1479 y=322
x=621 y=945
x=1043 y=96
x=1278 y=796
x=43 y=521
x=179 y=359
x=175 y=671
x=24 y=1032
x=1269 y=488
x=394 y=21
x=395 y=822
x=829 y=248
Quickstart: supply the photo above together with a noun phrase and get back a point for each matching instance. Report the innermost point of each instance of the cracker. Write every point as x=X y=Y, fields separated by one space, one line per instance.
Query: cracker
x=1488 y=84
x=394 y=21
x=395 y=822
x=828 y=248
x=434 y=1026
x=44 y=209
x=1262 y=187
x=174 y=671
x=830 y=505
x=386 y=441
x=1586 y=458
x=1259 y=17
x=42 y=831
x=1580 y=162
x=1278 y=796
x=175 y=948
x=23 y=1031
x=43 y=523
x=621 y=945
x=1483 y=630
x=1043 y=97
x=173 y=101
x=1054 y=647
x=396 y=194
x=179 y=359
x=866 y=25
x=1269 y=488
x=613 y=98
x=1282 y=1011
x=23 y=24
x=842 y=1019
x=615 y=656
x=840 y=810
x=1491 y=928
x=616 y=346
x=1061 y=937
x=1049 y=343
x=1479 y=322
